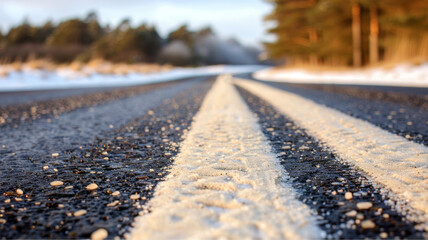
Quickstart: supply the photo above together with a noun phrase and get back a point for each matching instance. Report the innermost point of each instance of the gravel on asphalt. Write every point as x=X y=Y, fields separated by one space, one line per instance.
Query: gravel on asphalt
x=105 y=182
x=324 y=181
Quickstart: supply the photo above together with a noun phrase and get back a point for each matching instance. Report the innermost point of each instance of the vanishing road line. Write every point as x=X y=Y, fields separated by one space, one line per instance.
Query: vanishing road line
x=225 y=182
x=393 y=161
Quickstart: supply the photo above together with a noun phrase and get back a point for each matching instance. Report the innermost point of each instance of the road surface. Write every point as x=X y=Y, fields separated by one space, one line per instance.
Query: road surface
x=215 y=157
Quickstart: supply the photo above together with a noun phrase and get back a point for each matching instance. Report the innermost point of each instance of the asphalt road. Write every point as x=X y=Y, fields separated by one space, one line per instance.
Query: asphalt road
x=126 y=139
x=399 y=110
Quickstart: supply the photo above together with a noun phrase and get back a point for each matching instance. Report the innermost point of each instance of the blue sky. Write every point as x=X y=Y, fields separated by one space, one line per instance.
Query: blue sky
x=241 y=19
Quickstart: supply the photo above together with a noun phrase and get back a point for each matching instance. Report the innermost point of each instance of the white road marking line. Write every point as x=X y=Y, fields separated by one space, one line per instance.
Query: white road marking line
x=391 y=160
x=225 y=183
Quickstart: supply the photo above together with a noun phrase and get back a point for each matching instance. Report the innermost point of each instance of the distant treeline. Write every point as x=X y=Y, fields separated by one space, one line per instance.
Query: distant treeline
x=85 y=39
x=349 y=32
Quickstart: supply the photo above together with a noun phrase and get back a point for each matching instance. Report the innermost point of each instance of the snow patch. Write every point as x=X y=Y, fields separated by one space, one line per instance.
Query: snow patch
x=36 y=79
x=401 y=75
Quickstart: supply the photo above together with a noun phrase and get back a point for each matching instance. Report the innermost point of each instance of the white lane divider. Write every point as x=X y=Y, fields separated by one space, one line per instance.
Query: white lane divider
x=398 y=164
x=225 y=183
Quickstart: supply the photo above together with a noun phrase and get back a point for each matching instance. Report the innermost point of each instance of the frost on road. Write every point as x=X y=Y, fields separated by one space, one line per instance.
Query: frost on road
x=225 y=182
x=237 y=159
x=393 y=161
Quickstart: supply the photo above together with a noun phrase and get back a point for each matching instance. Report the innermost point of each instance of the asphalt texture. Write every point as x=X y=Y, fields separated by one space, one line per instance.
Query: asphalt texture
x=401 y=119
x=31 y=106
x=410 y=96
x=399 y=110
x=124 y=140
x=130 y=158
x=29 y=146
x=22 y=97
x=322 y=181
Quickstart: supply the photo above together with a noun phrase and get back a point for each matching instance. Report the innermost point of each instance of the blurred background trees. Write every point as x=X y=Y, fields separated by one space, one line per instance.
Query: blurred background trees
x=86 y=39
x=351 y=32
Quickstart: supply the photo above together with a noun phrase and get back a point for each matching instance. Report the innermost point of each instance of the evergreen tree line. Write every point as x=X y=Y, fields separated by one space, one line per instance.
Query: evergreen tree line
x=348 y=32
x=85 y=39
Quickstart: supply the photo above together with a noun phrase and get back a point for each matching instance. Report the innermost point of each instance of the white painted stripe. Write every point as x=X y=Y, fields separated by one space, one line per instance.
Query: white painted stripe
x=398 y=164
x=225 y=183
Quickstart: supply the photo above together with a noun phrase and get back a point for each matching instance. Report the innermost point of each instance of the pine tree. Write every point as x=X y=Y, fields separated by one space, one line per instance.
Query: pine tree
x=182 y=34
x=332 y=19
x=356 y=34
x=295 y=37
x=70 y=32
x=24 y=33
x=353 y=32
x=405 y=25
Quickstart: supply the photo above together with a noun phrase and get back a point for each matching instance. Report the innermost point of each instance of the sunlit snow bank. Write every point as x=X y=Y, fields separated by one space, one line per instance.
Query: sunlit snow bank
x=36 y=79
x=401 y=75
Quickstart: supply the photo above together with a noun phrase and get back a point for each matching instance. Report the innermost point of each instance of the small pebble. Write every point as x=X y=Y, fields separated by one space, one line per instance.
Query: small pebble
x=151 y=170
x=68 y=187
x=99 y=234
x=19 y=191
x=360 y=216
x=2 y=221
x=61 y=205
x=55 y=154
x=45 y=168
x=106 y=158
x=113 y=204
x=104 y=153
x=7 y=200
x=367 y=224
x=352 y=213
x=80 y=213
x=304 y=148
x=383 y=235
x=134 y=196
x=364 y=205
x=57 y=183
x=115 y=193
x=385 y=215
x=91 y=187
x=348 y=195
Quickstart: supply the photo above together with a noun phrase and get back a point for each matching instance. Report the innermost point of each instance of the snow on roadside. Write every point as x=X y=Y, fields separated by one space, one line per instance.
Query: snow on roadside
x=400 y=75
x=36 y=79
